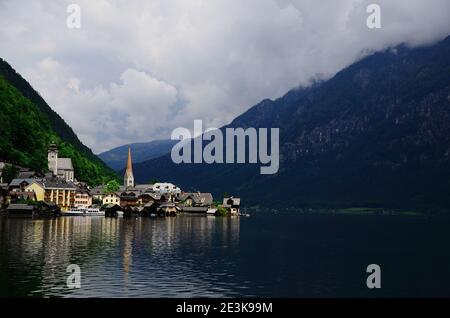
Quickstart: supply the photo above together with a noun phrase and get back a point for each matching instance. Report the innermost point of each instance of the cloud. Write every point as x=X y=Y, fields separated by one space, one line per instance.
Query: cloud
x=136 y=70
x=135 y=107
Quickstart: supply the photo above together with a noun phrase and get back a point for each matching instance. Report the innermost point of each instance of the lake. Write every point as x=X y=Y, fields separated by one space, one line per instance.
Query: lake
x=265 y=255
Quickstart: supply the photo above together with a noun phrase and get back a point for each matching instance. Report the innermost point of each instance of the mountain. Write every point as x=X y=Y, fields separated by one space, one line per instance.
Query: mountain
x=116 y=158
x=28 y=125
x=376 y=134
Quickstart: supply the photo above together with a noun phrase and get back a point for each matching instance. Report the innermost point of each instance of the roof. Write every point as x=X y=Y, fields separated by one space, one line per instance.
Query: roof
x=58 y=184
x=168 y=205
x=165 y=186
x=26 y=174
x=198 y=198
x=201 y=209
x=154 y=196
x=65 y=164
x=38 y=182
x=83 y=190
x=49 y=203
x=142 y=186
x=26 y=207
x=149 y=204
x=133 y=194
x=117 y=194
x=111 y=205
x=17 y=182
x=204 y=198
x=97 y=190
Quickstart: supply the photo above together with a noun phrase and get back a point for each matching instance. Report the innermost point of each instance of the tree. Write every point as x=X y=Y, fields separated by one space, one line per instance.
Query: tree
x=112 y=186
x=221 y=211
x=9 y=173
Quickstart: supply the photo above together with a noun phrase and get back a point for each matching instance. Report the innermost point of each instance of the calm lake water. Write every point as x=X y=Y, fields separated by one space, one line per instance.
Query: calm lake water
x=265 y=255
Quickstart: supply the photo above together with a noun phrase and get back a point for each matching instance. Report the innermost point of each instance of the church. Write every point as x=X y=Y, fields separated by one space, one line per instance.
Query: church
x=128 y=178
x=61 y=168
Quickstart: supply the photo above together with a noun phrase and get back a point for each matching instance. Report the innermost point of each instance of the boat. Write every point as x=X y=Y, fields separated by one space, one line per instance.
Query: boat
x=73 y=212
x=94 y=212
x=83 y=212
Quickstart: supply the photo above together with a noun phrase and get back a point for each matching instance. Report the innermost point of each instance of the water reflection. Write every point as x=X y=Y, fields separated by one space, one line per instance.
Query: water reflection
x=266 y=255
x=118 y=257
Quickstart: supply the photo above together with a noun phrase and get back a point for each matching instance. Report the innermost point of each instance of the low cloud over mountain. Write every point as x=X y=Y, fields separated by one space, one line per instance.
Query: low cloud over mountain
x=134 y=71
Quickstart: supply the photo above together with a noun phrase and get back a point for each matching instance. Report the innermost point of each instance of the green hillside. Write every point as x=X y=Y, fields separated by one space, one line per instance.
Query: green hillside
x=28 y=125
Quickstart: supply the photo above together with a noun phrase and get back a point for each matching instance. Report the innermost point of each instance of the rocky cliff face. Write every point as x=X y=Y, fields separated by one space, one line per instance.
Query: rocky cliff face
x=377 y=133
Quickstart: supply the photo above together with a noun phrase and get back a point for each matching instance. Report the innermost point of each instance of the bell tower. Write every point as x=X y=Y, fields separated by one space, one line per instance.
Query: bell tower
x=52 y=158
x=128 y=178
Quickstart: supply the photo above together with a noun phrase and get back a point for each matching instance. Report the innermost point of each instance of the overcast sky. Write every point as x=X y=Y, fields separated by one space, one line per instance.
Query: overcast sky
x=137 y=69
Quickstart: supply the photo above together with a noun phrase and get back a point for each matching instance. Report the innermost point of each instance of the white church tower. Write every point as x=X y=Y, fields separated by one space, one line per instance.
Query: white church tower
x=53 y=158
x=128 y=178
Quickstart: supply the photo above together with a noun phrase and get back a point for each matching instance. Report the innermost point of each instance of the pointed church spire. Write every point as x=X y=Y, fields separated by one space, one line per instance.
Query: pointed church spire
x=128 y=179
x=129 y=164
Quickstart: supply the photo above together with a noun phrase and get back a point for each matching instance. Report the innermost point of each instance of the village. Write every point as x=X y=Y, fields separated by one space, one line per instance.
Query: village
x=58 y=193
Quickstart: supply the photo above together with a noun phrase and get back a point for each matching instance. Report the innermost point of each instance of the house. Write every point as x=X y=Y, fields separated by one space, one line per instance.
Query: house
x=113 y=197
x=111 y=210
x=21 y=210
x=165 y=188
x=60 y=192
x=23 y=196
x=232 y=205
x=129 y=211
x=38 y=188
x=149 y=208
x=21 y=184
x=194 y=209
x=196 y=199
x=167 y=197
x=97 y=193
x=26 y=173
x=60 y=167
x=143 y=187
x=83 y=198
x=129 y=198
x=168 y=209
x=147 y=197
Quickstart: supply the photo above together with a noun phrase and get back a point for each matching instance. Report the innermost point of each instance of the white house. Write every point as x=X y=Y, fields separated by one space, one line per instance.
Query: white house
x=111 y=198
x=162 y=188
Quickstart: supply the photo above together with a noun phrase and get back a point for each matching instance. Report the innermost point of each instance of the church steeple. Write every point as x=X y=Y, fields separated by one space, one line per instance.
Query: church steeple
x=128 y=179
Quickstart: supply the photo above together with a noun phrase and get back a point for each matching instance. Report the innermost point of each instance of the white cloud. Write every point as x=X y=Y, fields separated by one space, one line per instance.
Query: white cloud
x=134 y=108
x=137 y=69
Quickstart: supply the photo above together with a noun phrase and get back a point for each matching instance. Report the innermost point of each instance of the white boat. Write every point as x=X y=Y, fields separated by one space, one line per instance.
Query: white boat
x=73 y=212
x=83 y=212
x=94 y=212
